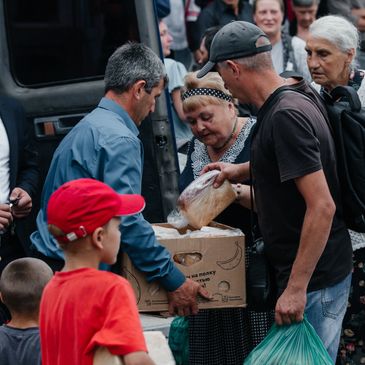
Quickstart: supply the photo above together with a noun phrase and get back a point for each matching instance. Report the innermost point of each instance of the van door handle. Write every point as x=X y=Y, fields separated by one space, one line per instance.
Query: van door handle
x=53 y=126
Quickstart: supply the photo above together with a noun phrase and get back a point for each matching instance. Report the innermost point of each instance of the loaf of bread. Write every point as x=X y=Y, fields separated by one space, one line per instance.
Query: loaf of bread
x=200 y=203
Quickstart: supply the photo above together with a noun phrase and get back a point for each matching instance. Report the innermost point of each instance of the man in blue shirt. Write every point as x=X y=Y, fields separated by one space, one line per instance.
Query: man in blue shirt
x=105 y=146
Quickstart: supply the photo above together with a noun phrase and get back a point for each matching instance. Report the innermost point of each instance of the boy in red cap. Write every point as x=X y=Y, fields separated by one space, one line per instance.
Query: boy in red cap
x=82 y=308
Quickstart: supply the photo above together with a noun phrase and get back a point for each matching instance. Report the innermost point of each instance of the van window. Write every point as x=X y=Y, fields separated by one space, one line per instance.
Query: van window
x=54 y=41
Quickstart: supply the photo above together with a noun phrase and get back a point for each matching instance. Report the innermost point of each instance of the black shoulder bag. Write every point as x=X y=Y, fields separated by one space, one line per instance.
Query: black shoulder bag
x=261 y=287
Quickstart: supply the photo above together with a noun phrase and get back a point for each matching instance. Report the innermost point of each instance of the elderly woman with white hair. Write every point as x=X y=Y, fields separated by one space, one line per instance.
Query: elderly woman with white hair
x=331 y=49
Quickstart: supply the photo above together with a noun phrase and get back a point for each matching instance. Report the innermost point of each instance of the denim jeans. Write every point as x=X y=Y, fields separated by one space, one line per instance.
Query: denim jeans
x=325 y=310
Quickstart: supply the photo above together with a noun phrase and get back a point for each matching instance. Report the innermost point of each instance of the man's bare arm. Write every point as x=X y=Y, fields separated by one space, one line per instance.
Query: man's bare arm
x=320 y=209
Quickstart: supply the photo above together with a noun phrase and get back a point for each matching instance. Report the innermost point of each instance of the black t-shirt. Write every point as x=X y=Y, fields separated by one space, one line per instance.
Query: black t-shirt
x=291 y=140
x=19 y=346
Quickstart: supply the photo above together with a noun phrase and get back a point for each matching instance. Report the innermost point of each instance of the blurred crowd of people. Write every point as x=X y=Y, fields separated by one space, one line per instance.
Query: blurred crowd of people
x=286 y=22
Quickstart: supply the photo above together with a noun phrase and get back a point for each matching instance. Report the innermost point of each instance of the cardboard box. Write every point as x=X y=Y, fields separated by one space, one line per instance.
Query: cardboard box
x=218 y=263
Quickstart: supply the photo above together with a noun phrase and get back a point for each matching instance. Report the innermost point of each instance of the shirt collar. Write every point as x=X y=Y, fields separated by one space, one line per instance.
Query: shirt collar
x=111 y=105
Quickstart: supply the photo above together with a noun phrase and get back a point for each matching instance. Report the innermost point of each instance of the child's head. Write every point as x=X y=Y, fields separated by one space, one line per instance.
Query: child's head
x=166 y=38
x=22 y=283
x=87 y=210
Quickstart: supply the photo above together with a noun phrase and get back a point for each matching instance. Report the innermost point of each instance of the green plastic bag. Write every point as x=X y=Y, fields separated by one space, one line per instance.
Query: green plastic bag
x=295 y=344
x=179 y=340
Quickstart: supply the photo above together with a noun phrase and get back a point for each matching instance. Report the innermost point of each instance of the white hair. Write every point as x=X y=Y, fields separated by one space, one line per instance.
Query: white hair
x=336 y=30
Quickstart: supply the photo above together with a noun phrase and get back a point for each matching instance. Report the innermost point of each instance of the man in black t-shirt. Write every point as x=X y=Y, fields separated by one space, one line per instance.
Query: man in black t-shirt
x=296 y=188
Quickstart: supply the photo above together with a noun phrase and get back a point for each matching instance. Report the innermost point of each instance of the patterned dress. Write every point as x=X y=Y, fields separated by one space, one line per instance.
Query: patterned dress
x=224 y=336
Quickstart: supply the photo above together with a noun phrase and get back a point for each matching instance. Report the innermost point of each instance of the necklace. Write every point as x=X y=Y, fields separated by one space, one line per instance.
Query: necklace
x=229 y=138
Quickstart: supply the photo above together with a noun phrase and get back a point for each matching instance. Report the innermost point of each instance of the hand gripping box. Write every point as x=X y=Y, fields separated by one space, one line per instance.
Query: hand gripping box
x=218 y=263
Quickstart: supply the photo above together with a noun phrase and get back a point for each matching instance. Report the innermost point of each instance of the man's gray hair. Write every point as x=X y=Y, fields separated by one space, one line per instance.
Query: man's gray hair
x=258 y=62
x=130 y=63
x=336 y=30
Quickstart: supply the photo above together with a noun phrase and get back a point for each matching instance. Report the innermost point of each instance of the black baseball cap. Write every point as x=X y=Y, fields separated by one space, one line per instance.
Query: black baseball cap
x=235 y=40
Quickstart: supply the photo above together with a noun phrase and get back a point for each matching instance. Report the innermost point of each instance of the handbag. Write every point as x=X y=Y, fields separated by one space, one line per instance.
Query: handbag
x=261 y=288
x=260 y=282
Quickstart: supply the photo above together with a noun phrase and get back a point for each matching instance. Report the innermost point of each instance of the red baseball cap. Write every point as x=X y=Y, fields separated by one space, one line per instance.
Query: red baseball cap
x=80 y=206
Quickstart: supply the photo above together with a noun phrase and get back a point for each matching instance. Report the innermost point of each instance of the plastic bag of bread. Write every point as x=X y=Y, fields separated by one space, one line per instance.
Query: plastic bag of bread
x=200 y=203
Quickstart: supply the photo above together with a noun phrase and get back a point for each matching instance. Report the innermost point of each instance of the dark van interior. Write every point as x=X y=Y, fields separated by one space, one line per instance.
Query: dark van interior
x=53 y=55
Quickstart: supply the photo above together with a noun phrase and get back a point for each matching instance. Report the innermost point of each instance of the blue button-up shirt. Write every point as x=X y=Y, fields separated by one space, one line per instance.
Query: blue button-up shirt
x=105 y=146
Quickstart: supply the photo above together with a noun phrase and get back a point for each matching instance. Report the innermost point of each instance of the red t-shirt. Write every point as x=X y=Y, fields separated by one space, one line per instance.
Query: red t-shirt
x=86 y=308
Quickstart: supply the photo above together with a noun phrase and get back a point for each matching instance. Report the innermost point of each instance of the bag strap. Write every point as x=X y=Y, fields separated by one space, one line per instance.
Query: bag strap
x=252 y=212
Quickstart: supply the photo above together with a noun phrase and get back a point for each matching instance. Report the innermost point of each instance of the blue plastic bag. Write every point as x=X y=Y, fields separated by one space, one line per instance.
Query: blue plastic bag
x=179 y=340
x=295 y=344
